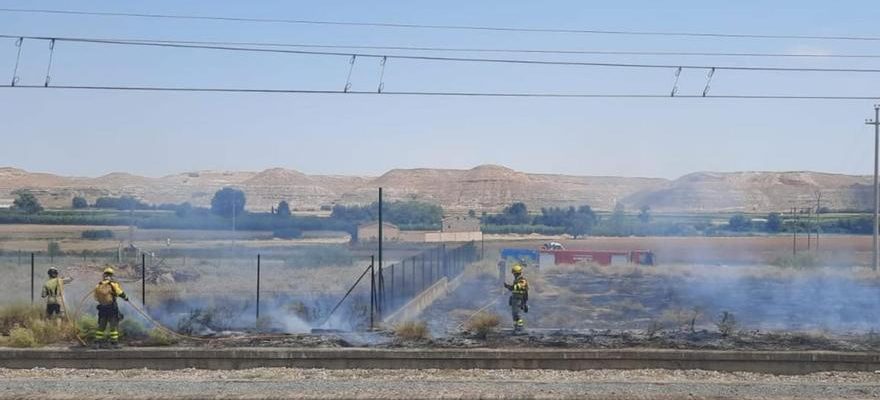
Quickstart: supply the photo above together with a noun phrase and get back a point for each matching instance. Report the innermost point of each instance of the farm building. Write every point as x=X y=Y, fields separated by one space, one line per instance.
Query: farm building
x=457 y=228
x=370 y=232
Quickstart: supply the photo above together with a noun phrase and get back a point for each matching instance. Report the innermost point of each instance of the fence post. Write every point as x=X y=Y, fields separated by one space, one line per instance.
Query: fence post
x=423 y=272
x=32 y=278
x=258 y=289
x=403 y=278
x=372 y=290
x=393 y=299
x=143 y=279
x=413 y=263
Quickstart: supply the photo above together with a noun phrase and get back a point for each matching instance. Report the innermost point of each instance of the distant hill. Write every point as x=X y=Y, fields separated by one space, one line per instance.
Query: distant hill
x=483 y=188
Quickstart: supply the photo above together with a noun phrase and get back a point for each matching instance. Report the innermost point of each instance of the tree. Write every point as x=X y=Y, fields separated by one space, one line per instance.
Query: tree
x=183 y=210
x=283 y=209
x=645 y=214
x=80 y=203
x=774 y=222
x=228 y=201
x=27 y=203
x=739 y=223
x=581 y=222
x=618 y=219
x=515 y=214
x=53 y=249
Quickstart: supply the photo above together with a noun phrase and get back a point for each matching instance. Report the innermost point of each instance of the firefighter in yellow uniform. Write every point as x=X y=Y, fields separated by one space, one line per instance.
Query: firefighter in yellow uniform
x=108 y=311
x=519 y=297
x=53 y=289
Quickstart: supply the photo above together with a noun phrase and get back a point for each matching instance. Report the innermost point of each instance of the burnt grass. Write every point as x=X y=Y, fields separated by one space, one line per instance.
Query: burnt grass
x=632 y=308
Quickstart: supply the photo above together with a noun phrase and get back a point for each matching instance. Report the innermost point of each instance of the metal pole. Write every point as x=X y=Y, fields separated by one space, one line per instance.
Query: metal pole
x=818 y=206
x=32 y=278
x=876 y=123
x=143 y=279
x=381 y=235
x=372 y=290
x=403 y=277
x=258 y=288
x=794 y=233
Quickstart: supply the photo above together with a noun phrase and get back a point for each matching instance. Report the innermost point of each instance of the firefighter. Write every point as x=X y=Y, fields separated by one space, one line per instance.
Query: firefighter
x=519 y=297
x=53 y=289
x=108 y=311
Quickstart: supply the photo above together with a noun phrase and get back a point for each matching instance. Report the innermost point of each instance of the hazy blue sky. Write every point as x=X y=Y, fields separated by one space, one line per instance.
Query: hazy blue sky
x=92 y=133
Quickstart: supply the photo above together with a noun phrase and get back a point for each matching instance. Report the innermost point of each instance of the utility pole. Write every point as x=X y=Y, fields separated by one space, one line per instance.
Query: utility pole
x=876 y=123
x=794 y=229
x=818 y=206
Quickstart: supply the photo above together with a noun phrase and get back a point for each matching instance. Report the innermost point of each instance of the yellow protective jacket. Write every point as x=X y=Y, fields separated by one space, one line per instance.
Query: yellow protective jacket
x=107 y=291
x=53 y=289
x=520 y=288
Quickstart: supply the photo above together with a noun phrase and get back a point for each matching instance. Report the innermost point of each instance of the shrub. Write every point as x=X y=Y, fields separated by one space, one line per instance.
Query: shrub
x=131 y=329
x=160 y=337
x=18 y=315
x=482 y=324
x=87 y=325
x=22 y=337
x=412 y=330
x=97 y=234
x=726 y=324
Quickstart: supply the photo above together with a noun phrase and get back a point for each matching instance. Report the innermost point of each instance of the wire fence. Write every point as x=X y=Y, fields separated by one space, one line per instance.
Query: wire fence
x=399 y=283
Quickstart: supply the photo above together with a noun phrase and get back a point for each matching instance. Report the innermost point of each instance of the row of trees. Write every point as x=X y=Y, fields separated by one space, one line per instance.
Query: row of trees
x=413 y=214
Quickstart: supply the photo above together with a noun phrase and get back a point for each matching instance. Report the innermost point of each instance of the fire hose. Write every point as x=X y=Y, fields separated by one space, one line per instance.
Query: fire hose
x=152 y=321
x=479 y=311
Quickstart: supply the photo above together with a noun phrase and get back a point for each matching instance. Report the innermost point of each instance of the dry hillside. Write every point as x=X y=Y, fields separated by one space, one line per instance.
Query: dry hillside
x=486 y=187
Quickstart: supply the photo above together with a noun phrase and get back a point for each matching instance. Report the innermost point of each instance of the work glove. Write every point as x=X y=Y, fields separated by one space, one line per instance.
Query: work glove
x=508 y=287
x=525 y=308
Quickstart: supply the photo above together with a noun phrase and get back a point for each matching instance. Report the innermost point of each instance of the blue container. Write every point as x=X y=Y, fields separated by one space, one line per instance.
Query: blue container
x=528 y=255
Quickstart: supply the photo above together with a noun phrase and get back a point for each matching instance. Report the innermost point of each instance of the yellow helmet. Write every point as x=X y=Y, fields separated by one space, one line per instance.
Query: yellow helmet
x=516 y=269
x=108 y=271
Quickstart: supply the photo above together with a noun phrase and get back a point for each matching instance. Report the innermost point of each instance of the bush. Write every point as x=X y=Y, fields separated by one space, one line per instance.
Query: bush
x=412 y=330
x=51 y=331
x=22 y=337
x=97 y=234
x=86 y=326
x=79 y=203
x=18 y=315
x=123 y=203
x=482 y=324
x=131 y=329
x=160 y=337
x=726 y=324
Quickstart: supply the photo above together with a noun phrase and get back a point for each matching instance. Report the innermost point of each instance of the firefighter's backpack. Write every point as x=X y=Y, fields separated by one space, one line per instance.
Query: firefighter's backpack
x=104 y=293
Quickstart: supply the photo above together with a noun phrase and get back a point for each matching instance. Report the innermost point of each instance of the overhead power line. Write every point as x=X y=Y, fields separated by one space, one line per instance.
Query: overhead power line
x=454 y=59
x=492 y=50
x=441 y=94
x=441 y=26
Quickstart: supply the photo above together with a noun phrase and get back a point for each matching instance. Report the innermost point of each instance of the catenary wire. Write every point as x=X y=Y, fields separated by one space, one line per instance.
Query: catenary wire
x=486 y=50
x=454 y=59
x=441 y=26
x=441 y=94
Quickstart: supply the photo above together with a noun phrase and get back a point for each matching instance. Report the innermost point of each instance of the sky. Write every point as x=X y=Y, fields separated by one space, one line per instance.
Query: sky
x=91 y=133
